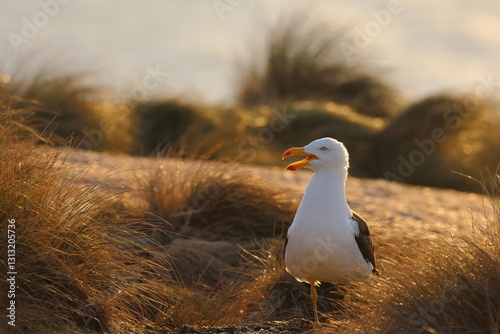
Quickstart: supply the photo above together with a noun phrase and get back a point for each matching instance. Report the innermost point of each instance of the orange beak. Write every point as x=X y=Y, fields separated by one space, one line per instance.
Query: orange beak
x=299 y=164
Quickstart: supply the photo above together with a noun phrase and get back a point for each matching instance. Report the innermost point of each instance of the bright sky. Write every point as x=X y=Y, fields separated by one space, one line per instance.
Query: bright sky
x=190 y=47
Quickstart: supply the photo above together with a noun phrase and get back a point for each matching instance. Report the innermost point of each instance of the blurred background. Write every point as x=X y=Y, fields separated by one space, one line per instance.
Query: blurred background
x=411 y=88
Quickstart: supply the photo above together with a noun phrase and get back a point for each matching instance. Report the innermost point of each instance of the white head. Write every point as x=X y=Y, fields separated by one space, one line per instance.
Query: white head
x=321 y=154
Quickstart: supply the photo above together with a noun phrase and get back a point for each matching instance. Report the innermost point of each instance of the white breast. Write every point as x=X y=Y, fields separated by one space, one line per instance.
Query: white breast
x=321 y=240
x=326 y=255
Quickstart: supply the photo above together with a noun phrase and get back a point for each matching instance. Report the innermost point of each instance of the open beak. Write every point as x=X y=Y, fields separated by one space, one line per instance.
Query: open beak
x=299 y=164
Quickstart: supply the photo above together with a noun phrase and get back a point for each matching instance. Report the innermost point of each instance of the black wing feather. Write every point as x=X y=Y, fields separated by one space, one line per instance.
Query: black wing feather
x=364 y=241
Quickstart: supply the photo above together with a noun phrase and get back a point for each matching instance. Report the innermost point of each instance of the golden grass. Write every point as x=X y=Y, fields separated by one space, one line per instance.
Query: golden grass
x=466 y=142
x=65 y=106
x=88 y=266
x=443 y=287
x=63 y=102
x=205 y=248
x=70 y=266
x=215 y=201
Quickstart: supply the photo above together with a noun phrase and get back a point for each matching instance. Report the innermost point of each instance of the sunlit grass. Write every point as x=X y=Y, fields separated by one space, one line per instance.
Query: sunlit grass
x=438 y=136
x=215 y=201
x=70 y=265
x=203 y=246
x=438 y=287
x=200 y=242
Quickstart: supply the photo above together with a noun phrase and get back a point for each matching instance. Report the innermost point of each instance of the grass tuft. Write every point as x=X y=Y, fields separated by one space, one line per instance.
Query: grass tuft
x=201 y=243
x=64 y=102
x=207 y=201
x=70 y=264
x=436 y=137
x=301 y=61
x=438 y=287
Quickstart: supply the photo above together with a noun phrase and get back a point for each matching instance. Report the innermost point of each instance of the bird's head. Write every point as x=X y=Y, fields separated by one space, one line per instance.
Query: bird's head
x=321 y=154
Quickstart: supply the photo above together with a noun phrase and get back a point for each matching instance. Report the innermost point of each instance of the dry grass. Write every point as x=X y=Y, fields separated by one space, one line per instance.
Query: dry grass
x=88 y=266
x=301 y=61
x=65 y=105
x=63 y=101
x=208 y=201
x=45 y=232
x=210 y=264
x=205 y=248
x=466 y=142
x=444 y=287
x=71 y=268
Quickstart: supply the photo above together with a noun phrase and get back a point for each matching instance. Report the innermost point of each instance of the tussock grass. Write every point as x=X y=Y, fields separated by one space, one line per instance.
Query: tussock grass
x=301 y=61
x=465 y=142
x=28 y=197
x=443 y=287
x=209 y=253
x=64 y=106
x=209 y=201
x=210 y=264
x=70 y=266
x=199 y=307
x=63 y=102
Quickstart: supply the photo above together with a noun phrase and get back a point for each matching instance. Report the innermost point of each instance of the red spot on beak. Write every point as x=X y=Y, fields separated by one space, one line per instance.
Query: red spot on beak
x=286 y=154
x=299 y=164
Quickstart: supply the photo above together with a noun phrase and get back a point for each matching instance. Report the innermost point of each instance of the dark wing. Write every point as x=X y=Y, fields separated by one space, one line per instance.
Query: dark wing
x=364 y=241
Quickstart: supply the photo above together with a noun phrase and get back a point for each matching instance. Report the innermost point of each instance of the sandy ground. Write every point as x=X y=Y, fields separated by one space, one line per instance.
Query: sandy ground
x=410 y=210
x=430 y=212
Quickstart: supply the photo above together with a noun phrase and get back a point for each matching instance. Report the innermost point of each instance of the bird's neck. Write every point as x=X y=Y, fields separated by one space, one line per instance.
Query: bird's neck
x=326 y=192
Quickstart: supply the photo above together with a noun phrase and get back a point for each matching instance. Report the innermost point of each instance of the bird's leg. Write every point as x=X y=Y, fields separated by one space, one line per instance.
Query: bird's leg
x=314 y=298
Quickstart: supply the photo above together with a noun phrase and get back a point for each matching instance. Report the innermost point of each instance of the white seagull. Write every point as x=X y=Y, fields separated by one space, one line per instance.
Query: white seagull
x=327 y=241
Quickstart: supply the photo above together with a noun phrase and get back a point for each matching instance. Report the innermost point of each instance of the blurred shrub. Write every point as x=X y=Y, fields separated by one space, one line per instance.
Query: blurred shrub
x=436 y=136
x=170 y=125
x=65 y=105
x=302 y=61
x=312 y=120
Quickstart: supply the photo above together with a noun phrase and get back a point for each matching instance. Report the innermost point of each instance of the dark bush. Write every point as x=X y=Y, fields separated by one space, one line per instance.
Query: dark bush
x=437 y=136
x=331 y=120
x=169 y=125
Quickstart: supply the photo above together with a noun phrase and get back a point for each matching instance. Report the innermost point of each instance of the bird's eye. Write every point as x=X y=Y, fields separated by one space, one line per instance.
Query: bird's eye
x=324 y=148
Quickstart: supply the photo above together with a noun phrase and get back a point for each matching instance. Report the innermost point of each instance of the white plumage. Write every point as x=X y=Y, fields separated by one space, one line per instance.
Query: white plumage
x=327 y=242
